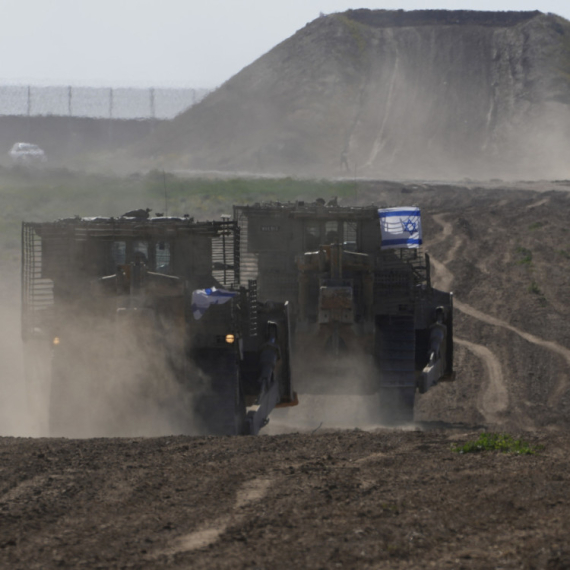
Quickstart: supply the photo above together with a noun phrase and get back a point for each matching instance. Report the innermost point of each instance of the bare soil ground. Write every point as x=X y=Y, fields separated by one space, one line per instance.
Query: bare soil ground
x=317 y=493
x=352 y=499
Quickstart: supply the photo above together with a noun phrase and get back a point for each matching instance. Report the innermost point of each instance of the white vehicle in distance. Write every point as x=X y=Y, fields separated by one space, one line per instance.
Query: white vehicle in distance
x=26 y=153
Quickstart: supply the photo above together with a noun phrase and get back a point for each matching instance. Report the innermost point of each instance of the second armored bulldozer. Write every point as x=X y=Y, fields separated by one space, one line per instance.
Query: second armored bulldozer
x=364 y=316
x=125 y=317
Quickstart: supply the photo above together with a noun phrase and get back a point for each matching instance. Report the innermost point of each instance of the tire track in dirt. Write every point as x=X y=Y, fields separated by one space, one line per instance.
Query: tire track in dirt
x=209 y=533
x=542 y=202
x=495 y=398
x=447 y=231
x=444 y=277
x=548 y=344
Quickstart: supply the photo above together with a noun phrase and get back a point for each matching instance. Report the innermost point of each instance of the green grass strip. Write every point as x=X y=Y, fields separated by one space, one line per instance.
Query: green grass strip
x=502 y=442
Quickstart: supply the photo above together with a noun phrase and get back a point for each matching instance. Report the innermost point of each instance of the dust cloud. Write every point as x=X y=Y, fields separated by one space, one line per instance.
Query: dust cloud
x=317 y=412
x=111 y=379
x=99 y=381
x=422 y=118
x=19 y=415
x=334 y=393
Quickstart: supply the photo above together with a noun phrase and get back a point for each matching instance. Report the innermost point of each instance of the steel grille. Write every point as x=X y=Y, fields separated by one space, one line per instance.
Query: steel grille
x=398 y=278
x=37 y=291
x=396 y=267
x=252 y=302
x=225 y=263
x=248 y=261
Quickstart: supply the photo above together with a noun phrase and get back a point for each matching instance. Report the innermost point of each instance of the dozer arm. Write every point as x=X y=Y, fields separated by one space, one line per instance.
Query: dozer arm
x=437 y=368
x=269 y=356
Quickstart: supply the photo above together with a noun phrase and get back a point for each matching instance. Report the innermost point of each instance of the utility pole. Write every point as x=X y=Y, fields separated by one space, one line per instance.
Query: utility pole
x=29 y=121
x=71 y=142
x=152 y=109
x=110 y=131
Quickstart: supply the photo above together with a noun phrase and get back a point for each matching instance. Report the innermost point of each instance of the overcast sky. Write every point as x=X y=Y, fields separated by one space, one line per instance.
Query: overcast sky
x=194 y=43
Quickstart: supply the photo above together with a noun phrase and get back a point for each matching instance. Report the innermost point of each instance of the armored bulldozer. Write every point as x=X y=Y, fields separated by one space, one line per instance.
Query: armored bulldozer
x=120 y=310
x=364 y=316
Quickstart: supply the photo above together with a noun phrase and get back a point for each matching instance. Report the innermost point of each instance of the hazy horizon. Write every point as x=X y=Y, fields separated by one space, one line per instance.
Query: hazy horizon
x=171 y=43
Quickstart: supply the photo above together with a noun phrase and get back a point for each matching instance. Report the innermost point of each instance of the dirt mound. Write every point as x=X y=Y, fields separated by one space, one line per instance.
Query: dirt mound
x=394 y=94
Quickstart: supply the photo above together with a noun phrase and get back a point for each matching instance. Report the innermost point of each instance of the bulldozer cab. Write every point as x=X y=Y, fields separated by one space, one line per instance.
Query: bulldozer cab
x=126 y=301
x=275 y=234
x=361 y=298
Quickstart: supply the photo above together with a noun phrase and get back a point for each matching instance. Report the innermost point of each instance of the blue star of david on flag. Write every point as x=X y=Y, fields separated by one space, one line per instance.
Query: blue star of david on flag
x=410 y=226
x=400 y=227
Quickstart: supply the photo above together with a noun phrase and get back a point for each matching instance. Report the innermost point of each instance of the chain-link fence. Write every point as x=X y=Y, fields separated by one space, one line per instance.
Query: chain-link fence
x=97 y=102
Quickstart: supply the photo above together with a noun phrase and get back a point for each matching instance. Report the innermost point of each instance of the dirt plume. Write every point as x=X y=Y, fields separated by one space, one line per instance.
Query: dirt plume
x=111 y=379
x=20 y=409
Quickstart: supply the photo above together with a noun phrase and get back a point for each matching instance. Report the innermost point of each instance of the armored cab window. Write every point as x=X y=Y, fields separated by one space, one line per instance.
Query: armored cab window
x=162 y=257
x=93 y=258
x=332 y=234
x=350 y=236
x=312 y=236
x=119 y=253
x=141 y=253
x=140 y=247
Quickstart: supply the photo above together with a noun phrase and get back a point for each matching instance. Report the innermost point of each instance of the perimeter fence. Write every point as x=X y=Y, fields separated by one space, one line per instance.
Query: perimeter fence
x=97 y=102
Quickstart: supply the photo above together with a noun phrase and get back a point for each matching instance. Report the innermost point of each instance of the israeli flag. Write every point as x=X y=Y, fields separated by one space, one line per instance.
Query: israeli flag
x=401 y=227
x=203 y=298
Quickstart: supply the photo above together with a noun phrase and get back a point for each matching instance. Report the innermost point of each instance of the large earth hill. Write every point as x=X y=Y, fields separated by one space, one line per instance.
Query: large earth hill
x=395 y=94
